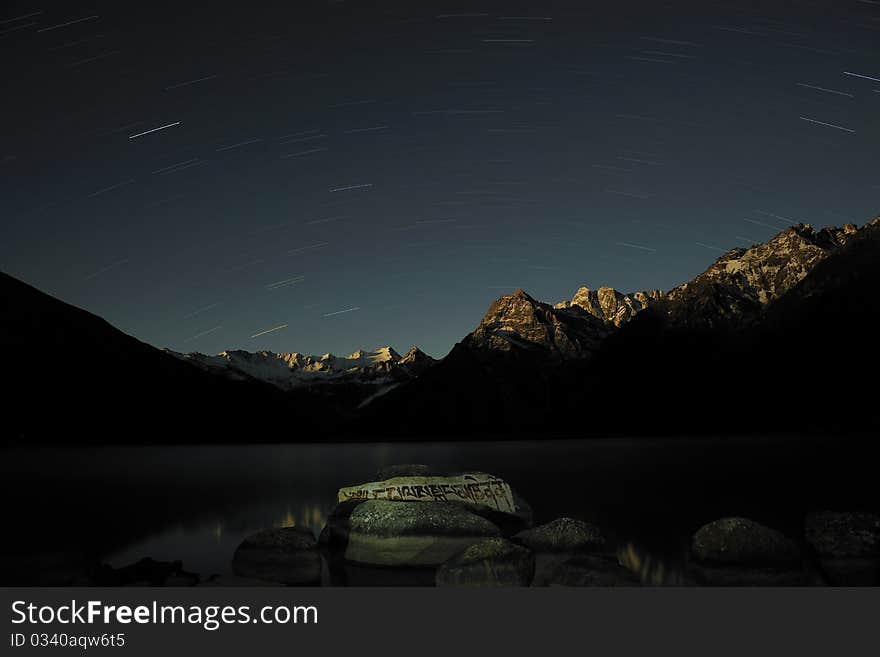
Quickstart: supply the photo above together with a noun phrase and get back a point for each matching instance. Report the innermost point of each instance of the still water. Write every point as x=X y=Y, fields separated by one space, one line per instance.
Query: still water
x=197 y=503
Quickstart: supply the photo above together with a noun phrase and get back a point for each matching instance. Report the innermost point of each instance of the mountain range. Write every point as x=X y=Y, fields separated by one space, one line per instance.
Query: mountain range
x=381 y=368
x=777 y=337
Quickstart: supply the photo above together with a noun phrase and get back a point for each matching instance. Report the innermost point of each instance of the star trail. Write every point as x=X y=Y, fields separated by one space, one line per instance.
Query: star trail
x=249 y=177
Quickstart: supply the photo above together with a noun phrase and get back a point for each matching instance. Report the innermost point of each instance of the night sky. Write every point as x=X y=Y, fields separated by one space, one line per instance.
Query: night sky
x=363 y=174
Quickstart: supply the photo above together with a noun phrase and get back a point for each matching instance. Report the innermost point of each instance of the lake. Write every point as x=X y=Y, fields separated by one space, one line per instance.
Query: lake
x=197 y=503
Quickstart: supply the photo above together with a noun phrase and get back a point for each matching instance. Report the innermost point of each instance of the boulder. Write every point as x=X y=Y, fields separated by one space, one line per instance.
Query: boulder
x=848 y=546
x=843 y=534
x=555 y=542
x=592 y=570
x=563 y=535
x=742 y=541
x=490 y=562
x=285 y=555
x=146 y=572
x=742 y=552
x=480 y=493
x=476 y=489
x=394 y=533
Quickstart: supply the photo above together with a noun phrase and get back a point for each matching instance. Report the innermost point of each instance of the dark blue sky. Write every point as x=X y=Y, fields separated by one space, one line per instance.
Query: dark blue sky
x=407 y=163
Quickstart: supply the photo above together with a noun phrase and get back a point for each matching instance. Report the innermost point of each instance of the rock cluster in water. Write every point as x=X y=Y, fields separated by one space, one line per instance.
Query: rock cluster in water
x=414 y=536
x=839 y=549
x=483 y=543
x=431 y=542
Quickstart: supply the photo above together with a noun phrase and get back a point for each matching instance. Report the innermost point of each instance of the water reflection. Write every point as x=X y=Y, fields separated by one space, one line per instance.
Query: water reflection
x=197 y=504
x=310 y=515
x=211 y=546
x=207 y=546
x=652 y=569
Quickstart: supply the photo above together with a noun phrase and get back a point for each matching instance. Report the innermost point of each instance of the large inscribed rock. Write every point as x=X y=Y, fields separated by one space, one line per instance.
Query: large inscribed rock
x=476 y=489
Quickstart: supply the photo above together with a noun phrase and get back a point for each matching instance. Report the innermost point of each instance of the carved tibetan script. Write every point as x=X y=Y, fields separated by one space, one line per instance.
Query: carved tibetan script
x=476 y=488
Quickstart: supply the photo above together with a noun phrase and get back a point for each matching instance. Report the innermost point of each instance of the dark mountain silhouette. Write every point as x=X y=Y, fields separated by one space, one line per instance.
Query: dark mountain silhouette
x=74 y=378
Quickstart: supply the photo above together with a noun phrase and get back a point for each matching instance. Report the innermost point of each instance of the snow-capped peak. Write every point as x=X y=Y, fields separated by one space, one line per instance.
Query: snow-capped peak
x=290 y=370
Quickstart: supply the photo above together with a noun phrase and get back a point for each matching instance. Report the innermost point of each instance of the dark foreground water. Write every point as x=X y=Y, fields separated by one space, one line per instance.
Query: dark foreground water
x=196 y=503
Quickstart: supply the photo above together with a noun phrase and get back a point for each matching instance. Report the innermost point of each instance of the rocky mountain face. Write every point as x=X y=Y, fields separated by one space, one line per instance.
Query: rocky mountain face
x=609 y=305
x=517 y=321
x=746 y=346
x=734 y=290
x=569 y=330
x=740 y=284
x=292 y=370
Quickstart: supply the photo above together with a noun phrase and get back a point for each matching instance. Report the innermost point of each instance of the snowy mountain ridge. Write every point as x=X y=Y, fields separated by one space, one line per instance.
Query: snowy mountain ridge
x=290 y=370
x=735 y=289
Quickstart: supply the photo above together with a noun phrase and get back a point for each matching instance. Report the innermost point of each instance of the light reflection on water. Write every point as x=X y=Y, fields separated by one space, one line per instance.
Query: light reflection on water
x=197 y=503
x=207 y=547
x=652 y=569
x=213 y=545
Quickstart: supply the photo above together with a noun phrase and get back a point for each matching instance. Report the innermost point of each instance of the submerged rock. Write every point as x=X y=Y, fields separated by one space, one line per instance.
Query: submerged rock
x=490 y=562
x=742 y=541
x=592 y=570
x=393 y=533
x=146 y=572
x=286 y=555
